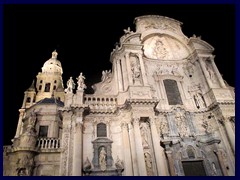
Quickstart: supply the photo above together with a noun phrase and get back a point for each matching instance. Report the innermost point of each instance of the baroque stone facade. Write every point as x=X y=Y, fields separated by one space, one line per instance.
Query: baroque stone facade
x=162 y=110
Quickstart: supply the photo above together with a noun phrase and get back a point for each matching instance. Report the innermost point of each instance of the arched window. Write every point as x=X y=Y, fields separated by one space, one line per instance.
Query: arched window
x=55 y=81
x=47 y=87
x=54 y=87
x=40 y=88
x=28 y=99
x=101 y=130
x=41 y=82
x=173 y=94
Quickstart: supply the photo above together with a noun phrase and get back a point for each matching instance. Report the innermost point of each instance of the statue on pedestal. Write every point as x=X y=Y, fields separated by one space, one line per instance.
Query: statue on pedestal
x=70 y=86
x=81 y=84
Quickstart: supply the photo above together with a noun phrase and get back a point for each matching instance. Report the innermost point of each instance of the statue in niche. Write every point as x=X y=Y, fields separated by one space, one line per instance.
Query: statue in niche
x=102 y=159
x=81 y=84
x=210 y=71
x=70 y=86
x=148 y=161
x=199 y=100
x=136 y=72
x=106 y=76
x=159 y=50
x=144 y=134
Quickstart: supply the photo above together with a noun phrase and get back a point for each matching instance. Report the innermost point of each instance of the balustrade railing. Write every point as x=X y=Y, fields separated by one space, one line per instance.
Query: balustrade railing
x=91 y=99
x=48 y=143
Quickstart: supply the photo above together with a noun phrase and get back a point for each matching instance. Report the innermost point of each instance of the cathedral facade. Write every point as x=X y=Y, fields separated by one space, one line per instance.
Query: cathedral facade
x=162 y=110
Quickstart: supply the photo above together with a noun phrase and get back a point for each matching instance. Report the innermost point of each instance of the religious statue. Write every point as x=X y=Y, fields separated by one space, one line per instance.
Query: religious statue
x=136 y=72
x=106 y=76
x=159 y=50
x=144 y=134
x=70 y=86
x=210 y=71
x=102 y=159
x=199 y=101
x=81 y=85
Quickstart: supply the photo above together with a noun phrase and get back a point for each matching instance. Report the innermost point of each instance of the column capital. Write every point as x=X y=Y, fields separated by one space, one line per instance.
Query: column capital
x=124 y=125
x=136 y=121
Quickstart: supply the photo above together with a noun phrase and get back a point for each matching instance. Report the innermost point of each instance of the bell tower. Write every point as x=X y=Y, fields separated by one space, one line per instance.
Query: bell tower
x=49 y=81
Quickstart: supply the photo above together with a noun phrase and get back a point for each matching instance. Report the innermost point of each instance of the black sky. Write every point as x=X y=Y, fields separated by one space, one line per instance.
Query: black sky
x=84 y=36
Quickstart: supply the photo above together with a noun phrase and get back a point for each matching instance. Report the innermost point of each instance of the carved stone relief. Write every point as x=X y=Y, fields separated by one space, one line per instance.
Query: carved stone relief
x=168 y=69
x=25 y=165
x=180 y=120
x=164 y=129
x=148 y=163
x=164 y=48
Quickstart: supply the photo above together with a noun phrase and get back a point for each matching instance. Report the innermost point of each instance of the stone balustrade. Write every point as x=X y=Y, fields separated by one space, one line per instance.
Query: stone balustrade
x=48 y=143
x=92 y=99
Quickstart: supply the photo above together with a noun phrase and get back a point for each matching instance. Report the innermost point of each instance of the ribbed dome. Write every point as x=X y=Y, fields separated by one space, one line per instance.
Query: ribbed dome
x=52 y=65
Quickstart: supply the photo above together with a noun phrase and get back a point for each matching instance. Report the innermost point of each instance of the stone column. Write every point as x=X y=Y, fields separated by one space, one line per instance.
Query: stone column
x=145 y=83
x=139 y=148
x=158 y=151
x=204 y=72
x=19 y=126
x=220 y=159
x=230 y=133
x=32 y=97
x=77 y=150
x=133 y=152
x=129 y=72
x=171 y=163
x=124 y=68
x=24 y=100
x=127 y=151
x=119 y=75
x=215 y=69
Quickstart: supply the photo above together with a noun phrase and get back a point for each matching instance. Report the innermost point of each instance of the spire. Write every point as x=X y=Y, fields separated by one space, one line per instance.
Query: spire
x=31 y=88
x=54 y=54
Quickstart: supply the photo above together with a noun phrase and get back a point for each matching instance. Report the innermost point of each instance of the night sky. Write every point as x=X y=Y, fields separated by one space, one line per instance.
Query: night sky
x=84 y=36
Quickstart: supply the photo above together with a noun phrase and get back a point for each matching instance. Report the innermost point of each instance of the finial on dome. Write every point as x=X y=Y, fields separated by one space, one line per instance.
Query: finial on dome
x=54 y=54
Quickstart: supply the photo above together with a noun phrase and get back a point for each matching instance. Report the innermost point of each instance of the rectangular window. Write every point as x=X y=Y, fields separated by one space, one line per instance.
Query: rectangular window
x=193 y=168
x=101 y=130
x=173 y=94
x=43 y=131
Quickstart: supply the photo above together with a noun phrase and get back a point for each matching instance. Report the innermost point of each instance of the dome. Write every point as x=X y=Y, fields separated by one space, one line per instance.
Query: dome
x=52 y=65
